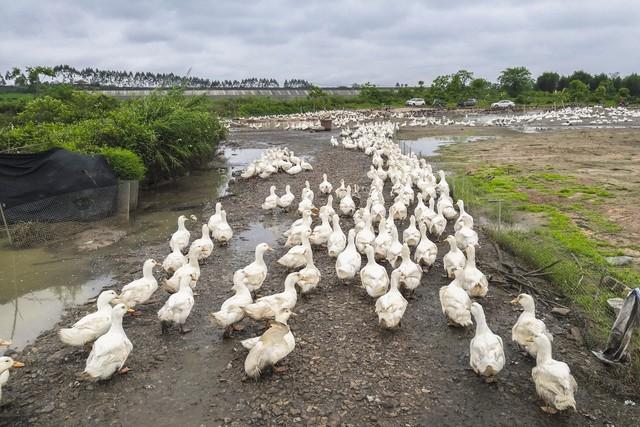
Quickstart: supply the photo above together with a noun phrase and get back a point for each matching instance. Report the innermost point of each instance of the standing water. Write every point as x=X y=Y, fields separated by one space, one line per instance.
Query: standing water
x=428 y=145
x=38 y=283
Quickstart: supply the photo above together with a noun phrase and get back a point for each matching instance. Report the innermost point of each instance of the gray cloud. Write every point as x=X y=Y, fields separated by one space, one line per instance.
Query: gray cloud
x=324 y=41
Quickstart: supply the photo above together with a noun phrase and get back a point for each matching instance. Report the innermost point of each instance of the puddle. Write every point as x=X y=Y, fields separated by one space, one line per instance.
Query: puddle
x=37 y=284
x=238 y=158
x=428 y=145
x=256 y=233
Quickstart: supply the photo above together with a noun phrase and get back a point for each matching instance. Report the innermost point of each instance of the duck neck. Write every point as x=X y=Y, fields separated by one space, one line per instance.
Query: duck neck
x=103 y=304
x=471 y=258
x=116 y=325
x=147 y=270
x=544 y=353
x=481 y=324
x=181 y=224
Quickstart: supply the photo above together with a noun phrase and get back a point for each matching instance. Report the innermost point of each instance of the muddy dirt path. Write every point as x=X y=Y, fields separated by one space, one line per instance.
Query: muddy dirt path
x=344 y=369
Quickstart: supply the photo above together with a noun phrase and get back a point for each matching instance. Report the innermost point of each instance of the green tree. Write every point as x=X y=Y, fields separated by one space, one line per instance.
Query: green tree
x=515 y=80
x=632 y=82
x=548 y=81
x=421 y=83
x=578 y=91
x=583 y=76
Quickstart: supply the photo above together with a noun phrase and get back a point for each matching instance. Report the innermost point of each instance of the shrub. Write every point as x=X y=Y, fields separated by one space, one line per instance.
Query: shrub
x=124 y=163
x=45 y=109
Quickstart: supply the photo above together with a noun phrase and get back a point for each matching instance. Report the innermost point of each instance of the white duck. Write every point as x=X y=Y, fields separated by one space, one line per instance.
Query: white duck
x=373 y=276
x=365 y=236
x=554 y=383
x=222 y=232
x=486 y=352
x=454 y=259
x=178 y=306
x=325 y=186
x=7 y=363
x=337 y=240
x=309 y=276
x=295 y=169
x=216 y=217
x=298 y=228
x=399 y=209
x=231 y=311
x=475 y=282
x=110 y=351
x=391 y=306
x=267 y=306
x=180 y=238
x=272 y=200
x=328 y=208
x=527 y=326
x=411 y=272
x=295 y=257
x=455 y=302
x=204 y=243
x=274 y=345
x=174 y=261
x=466 y=236
x=438 y=224
x=140 y=290
x=383 y=240
x=254 y=274
x=191 y=269
x=321 y=233
x=395 y=247
x=411 y=235
x=426 y=251
x=341 y=191
x=347 y=205
x=286 y=199
x=464 y=219
x=349 y=260
x=91 y=326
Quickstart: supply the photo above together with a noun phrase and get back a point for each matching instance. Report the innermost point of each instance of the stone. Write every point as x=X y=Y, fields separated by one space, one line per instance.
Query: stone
x=619 y=260
x=561 y=311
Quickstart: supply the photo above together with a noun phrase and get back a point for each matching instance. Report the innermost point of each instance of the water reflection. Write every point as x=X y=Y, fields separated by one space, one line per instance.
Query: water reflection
x=428 y=145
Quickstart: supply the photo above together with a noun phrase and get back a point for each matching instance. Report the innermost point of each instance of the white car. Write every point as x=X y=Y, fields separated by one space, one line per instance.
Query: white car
x=415 y=102
x=505 y=103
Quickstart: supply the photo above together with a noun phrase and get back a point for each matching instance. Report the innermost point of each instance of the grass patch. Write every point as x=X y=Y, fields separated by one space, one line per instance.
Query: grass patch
x=581 y=274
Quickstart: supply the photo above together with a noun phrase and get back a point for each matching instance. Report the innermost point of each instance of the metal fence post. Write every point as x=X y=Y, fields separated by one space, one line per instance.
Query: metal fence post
x=4 y=221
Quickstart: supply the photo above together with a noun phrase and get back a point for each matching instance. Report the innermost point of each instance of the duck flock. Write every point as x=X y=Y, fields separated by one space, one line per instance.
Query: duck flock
x=593 y=116
x=399 y=183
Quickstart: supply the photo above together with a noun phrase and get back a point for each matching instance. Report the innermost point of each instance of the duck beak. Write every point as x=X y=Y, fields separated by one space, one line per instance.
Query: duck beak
x=514 y=301
x=293 y=314
x=269 y=248
x=5 y=343
x=17 y=364
x=130 y=310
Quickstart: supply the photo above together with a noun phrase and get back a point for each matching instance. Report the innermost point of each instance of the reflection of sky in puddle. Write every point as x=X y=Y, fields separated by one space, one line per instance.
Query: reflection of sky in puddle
x=238 y=158
x=24 y=318
x=428 y=145
x=267 y=232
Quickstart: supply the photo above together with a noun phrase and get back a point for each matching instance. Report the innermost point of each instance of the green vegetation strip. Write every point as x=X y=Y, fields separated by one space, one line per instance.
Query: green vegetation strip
x=556 y=236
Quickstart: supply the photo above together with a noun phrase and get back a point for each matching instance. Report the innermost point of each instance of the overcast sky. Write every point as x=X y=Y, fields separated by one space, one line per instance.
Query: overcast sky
x=328 y=42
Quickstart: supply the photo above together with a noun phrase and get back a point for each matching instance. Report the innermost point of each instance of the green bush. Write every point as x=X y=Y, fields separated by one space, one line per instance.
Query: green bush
x=162 y=134
x=45 y=110
x=124 y=163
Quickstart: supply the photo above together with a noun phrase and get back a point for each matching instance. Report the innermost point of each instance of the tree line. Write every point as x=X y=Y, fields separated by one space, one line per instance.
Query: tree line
x=518 y=83
x=65 y=74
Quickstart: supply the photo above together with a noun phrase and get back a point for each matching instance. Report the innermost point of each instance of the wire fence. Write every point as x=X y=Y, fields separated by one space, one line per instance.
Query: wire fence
x=587 y=284
x=57 y=217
